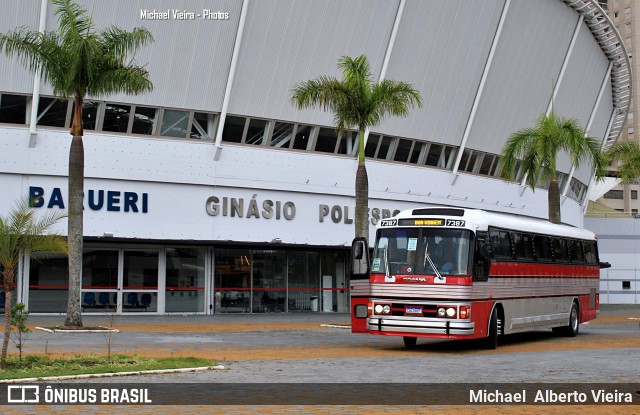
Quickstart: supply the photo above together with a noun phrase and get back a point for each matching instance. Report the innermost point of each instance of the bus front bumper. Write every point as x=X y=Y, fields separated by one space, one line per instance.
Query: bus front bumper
x=419 y=325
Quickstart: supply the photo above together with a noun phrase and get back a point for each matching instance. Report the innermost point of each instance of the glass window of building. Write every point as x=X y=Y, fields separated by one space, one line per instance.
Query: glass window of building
x=174 y=123
x=48 y=284
x=448 y=158
x=52 y=112
x=233 y=129
x=140 y=281
x=348 y=143
x=99 y=269
x=473 y=166
x=202 y=126
x=304 y=281
x=282 y=133
x=417 y=152
x=403 y=150
x=433 y=157
x=185 y=280
x=256 y=132
x=144 y=121
x=486 y=164
x=372 y=145
x=99 y=280
x=494 y=168
x=383 y=149
x=13 y=109
x=232 y=286
x=327 y=140
x=269 y=281
x=116 y=118
x=302 y=139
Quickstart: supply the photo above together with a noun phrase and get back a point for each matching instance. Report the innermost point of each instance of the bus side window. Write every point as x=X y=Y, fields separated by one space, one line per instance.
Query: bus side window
x=481 y=260
x=560 y=250
x=543 y=248
x=590 y=255
x=575 y=251
x=523 y=246
x=501 y=244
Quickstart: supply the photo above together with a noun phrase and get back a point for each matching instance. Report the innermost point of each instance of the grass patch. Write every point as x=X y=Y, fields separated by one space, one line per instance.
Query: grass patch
x=41 y=366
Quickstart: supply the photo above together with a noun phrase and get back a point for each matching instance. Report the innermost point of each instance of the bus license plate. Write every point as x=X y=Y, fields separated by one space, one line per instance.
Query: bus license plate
x=412 y=310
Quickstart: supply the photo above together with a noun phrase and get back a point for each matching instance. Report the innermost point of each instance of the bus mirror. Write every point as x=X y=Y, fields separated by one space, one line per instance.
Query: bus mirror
x=360 y=258
x=604 y=265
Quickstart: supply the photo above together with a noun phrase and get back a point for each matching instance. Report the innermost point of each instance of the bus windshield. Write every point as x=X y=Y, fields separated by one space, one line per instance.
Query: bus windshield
x=417 y=250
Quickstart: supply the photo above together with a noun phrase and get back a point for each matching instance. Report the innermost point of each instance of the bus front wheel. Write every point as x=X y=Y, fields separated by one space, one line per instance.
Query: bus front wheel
x=491 y=341
x=572 y=329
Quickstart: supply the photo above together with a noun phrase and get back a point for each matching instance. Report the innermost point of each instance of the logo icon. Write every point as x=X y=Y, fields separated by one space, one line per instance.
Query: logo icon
x=23 y=394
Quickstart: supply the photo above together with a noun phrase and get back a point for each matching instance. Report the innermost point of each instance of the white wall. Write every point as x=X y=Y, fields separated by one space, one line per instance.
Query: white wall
x=618 y=244
x=179 y=176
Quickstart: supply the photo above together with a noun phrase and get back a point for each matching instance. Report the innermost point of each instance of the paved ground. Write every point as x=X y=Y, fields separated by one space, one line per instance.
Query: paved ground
x=296 y=348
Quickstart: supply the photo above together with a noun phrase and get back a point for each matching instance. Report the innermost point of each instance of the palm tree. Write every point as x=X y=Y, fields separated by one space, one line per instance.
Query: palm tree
x=537 y=149
x=78 y=61
x=356 y=101
x=627 y=156
x=21 y=232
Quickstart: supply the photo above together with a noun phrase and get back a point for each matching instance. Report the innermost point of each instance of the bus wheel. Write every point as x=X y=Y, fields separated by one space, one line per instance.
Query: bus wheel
x=572 y=329
x=491 y=341
x=410 y=342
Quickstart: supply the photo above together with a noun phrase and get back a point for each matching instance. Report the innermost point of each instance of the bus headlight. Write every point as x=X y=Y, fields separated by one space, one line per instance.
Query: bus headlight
x=382 y=309
x=447 y=312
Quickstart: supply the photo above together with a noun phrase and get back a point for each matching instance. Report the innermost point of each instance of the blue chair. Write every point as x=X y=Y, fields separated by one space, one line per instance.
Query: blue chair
x=132 y=299
x=89 y=299
x=103 y=299
x=145 y=300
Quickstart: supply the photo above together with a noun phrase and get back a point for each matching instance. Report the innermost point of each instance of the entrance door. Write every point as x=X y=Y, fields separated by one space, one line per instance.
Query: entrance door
x=232 y=287
x=140 y=281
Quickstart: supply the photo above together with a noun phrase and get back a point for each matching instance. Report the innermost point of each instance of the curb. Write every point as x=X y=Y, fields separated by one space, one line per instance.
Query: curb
x=101 y=330
x=113 y=374
x=336 y=326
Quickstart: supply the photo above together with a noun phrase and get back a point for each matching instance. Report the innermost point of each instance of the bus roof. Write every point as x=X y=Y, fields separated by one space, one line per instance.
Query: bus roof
x=481 y=220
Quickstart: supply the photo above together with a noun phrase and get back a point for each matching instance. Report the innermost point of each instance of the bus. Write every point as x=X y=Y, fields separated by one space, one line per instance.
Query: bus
x=453 y=273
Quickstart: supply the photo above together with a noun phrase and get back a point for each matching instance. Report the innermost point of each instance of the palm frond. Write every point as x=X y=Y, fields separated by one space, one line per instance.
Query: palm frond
x=127 y=79
x=625 y=156
x=22 y=230
x=72 y=18
x=325 y=92
x=393 y=98
x=25 y=44
x=119 y=43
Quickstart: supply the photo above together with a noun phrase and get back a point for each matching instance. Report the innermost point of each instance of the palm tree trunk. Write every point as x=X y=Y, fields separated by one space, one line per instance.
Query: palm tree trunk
x=554 y=202
x=7 y=276
x=362 y=193
x=75 y=221
x=362 y=202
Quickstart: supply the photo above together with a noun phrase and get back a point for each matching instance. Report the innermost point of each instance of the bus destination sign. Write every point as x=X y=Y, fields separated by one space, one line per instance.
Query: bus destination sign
x=431 y=222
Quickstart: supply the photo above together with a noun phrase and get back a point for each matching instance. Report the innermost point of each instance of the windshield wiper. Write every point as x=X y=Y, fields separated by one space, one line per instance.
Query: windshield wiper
x=386 y=261
x=427 y=257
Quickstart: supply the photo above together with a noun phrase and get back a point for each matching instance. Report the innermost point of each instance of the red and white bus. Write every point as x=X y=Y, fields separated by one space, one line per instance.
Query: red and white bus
x=451 y=273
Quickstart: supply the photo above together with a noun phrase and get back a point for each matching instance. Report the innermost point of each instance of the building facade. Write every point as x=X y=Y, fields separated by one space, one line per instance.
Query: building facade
x=625 y=14
x=213 y=194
